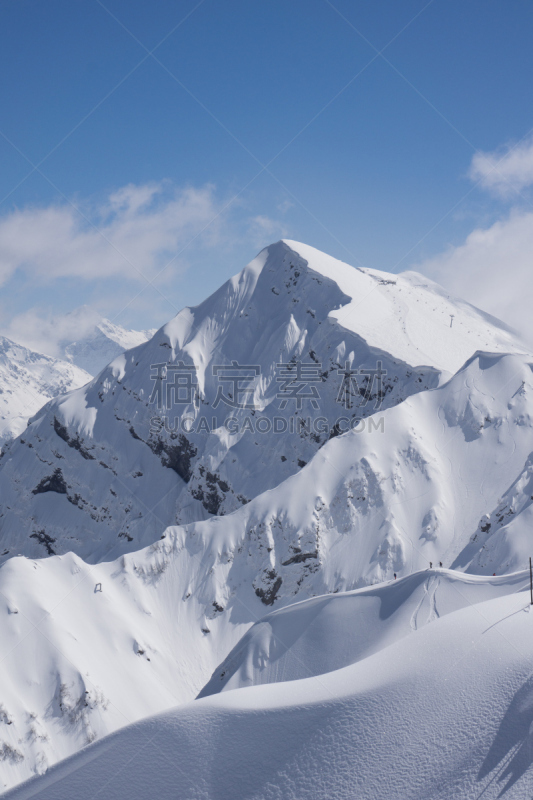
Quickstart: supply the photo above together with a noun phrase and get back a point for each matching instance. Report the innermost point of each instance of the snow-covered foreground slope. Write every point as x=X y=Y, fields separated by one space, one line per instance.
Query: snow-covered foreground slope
x=103 y=470
x=78 y=662
x=437 y=702
x=88 y=649
x=28 y=380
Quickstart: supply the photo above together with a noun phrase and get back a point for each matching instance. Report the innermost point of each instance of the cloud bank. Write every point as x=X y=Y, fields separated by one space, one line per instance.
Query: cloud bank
x=504 y=172
x=493 y=267
x=110 y=250
x=48 y=333
x=132 y=233
x=493 y=270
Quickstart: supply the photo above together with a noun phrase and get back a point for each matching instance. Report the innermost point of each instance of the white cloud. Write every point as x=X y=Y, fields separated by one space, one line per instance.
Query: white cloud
x=493 y=270
x=285 y=206
x=54 y=254
x=47 y=333
x=131 y=234
x=263 y=230
x=505 y=172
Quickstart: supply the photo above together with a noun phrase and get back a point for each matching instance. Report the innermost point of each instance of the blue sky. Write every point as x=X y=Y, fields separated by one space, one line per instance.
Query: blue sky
x=197 y=132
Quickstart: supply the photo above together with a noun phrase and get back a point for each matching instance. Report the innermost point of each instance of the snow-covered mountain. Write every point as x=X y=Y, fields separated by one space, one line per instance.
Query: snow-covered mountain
x=420 y=688
x=436 y=468
x=103 y=470
x=28 y=380
x=100 y=341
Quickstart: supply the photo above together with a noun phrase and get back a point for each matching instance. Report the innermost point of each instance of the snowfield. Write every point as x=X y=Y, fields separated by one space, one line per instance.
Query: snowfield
x=392 y=663
x=332 y=631
x=437 y=703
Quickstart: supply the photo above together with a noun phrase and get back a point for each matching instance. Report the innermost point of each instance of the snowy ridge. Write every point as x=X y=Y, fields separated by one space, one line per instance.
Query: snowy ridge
x=411 y=316
x=342 y=733
x=332 y=631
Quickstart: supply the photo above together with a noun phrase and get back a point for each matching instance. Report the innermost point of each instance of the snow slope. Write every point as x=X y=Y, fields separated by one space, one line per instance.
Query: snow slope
x=435 y=708
x=28 y=380
x=90 y=648
x=332 y=631
x=100 y=472
x=78 y=662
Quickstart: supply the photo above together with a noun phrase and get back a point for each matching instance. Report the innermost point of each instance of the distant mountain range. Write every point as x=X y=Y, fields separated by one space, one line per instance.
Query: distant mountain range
x=101 y=341
x=29 y=379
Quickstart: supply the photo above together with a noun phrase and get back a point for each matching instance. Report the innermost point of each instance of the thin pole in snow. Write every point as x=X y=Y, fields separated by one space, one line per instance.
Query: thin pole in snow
x=531 y=580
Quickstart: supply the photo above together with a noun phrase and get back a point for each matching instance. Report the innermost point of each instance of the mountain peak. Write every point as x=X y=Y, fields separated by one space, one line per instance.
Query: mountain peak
x=100 y=341
x=405 y=314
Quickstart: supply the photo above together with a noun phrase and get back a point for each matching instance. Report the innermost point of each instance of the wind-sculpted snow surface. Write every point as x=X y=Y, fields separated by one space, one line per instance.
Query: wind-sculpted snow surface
x=332 y=631
x=432 y=704
x=103 y=470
